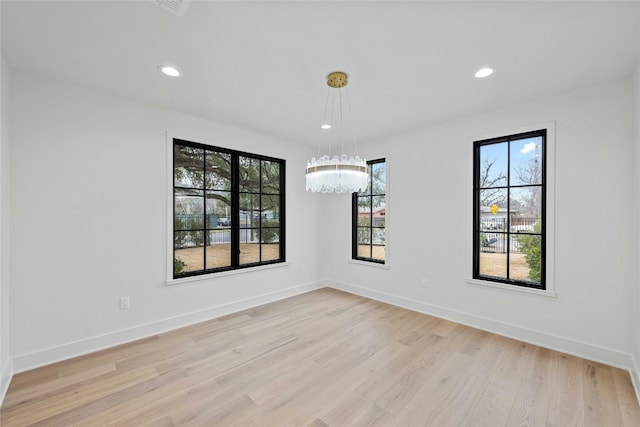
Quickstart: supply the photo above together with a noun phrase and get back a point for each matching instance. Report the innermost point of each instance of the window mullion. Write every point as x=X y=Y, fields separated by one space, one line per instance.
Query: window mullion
x=260 y=225
x=508 y=230
x=235 y=210
x=204 y=209
x=282 y=211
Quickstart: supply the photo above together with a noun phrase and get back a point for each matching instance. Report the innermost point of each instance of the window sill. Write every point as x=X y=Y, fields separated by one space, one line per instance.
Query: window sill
x=369 y=264
x=210 y=276
x=512 y=288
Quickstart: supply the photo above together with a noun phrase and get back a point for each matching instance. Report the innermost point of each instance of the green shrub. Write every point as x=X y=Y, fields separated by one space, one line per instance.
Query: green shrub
x=270 y=234
x=178 y=265
x=531 y=246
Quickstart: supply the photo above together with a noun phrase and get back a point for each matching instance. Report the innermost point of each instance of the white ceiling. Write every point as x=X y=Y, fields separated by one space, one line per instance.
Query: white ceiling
x=262 y=65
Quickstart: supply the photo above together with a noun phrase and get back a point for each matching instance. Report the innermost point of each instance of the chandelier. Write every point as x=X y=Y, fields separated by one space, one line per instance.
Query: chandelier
x=337 y=174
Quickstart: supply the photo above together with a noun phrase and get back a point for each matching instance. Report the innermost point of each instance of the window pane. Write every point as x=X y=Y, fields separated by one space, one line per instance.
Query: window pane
x=188 y=166
x=218 y=171
x=189 y=251
x=218 y=209
x=493 y=223
x=249 y=210
x=188 y=239
x=270 y=211
x=493 y=165
x=525 y=262
x=379 y=211
x=378 y=243
x=367 y=191
x=378 y=172
x=270 y=235
x=188 y=210
x=364 y=219
x=249 y=170
x=526 y=161
x=270 y=177
x=493 y=204
x=271 y=252
x=249 y=235
x=526 y=208
x=250 y=252
x=219 y=237
x=270 y=244
x=492 y=263
x=493 y=242
x=188 y=222
x=364 y=211
x=219 y=248
x=364 y=242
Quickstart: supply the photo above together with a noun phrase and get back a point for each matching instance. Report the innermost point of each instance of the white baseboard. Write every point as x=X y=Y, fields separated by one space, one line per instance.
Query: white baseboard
x=542 y=339
x=25 y=362
x=6 y=374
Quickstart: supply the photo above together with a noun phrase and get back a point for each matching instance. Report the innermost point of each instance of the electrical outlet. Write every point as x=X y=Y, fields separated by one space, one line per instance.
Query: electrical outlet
x=425 y=283
x=124 y=303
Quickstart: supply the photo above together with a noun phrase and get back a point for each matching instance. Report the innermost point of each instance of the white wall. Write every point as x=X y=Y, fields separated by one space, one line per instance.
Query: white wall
x=5 y=357
x=89 y=222
x=430 y=215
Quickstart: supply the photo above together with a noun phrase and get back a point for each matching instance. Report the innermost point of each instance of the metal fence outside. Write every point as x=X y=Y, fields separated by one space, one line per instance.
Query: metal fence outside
x=217 y=237
x=494 y=236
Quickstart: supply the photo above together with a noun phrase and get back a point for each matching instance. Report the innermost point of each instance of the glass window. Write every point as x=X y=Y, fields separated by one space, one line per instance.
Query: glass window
x=369 y=209
x=509 y=209
x=228 y=209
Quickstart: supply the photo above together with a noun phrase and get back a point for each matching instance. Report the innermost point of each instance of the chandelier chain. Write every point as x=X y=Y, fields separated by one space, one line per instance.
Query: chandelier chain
x=341 y=122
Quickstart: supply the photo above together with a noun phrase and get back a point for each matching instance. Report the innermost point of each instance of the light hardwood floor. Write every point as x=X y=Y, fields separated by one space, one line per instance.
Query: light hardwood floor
x=325 y=358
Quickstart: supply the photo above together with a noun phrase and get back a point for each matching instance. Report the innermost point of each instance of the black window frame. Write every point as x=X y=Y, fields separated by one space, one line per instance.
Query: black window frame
x=235 y=193
x=477 y=229
x=354 y=215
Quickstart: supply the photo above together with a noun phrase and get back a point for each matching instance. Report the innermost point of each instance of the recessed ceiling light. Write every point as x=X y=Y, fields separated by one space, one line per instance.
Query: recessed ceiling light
x=484 y=72
x=326 y=126
x=170 y=71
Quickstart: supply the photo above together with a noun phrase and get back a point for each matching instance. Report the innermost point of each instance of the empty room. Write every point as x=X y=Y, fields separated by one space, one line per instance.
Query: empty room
x=319 y=213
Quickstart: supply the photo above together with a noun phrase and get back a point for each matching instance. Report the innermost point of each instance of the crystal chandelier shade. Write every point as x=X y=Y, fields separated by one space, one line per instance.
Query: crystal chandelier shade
x=337 y=174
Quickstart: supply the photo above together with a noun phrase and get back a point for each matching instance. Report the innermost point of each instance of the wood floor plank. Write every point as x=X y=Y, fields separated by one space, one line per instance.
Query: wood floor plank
x=602 y=406
x=466 y=392
x=100 y=405
x=496 y=402
x=628 y=402
x=532 y=399
x=34 y=390
x=140 y=407
x=443 y=385
x=322 y=359
x=566 y=383
x=67 y=398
